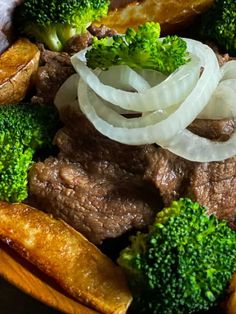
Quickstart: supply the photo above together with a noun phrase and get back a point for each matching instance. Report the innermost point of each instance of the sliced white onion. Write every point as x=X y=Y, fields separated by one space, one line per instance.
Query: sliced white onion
x=181 y=83
x=162 y=131
x=166 y=123
x=231 y=83
x=195 y=148
x=222 y=103
x=104 y=111
x=153 y=77
x=67 y=93
x=228 y=70
x=123 y=77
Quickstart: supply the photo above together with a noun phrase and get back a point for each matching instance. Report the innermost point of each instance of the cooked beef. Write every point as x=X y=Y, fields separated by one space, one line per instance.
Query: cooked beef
x=54 y=69
x=101 y=31
x=221 y=56
x=211 y=184
x=104 y=188
x=99 y=199
x=219 y=130
x=95 y=184
x=83 y=143
x=78 y=42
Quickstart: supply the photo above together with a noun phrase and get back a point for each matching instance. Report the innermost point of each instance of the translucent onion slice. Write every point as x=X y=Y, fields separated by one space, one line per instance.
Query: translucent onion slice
x=151 y=76
x=222 y=103
x=231 y=83
x=180 y=83
x=122 y=77
x=163 y=131
x=195 y=148
x=228 y=70
x=104 y=111
x=67 y=93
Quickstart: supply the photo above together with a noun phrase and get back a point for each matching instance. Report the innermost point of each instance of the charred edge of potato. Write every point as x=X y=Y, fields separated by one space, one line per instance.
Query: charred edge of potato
x=18 y=65
x=65 y=255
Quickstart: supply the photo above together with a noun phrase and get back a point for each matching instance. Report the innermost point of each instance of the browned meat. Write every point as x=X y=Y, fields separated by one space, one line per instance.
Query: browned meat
x=54 y=69
x=77 y=43
x=99 y=199
x=83 y=143
x=101 y=31
x=104 y=188
x=211 y=184
x=95 y=184
x=222 y=57
x=219 y=130
x=80 y=42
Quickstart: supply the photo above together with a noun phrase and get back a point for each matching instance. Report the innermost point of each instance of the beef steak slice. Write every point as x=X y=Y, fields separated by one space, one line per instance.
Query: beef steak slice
x=104 y=188
x=211 y=184
x=94 y=184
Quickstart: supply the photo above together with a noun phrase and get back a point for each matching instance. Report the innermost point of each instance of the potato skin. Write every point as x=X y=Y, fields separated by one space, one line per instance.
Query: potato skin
x=231 y=303
x=173 y=15
x=78 y=266
x=18 y=65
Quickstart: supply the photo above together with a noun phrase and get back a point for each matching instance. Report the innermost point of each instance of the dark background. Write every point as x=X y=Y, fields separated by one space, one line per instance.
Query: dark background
x=13 y=301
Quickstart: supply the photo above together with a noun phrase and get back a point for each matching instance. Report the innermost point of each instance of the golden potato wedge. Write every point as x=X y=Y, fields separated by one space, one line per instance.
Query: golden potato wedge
x=231 y=304
x=17 y=67
x=65 y=255
x=171 y=14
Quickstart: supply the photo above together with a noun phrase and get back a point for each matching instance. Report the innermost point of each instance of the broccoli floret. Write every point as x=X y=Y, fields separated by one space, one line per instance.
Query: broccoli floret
x=183 y=264
x=141 y=49
x=219 y=24
x=24 y=128
x=54 y=22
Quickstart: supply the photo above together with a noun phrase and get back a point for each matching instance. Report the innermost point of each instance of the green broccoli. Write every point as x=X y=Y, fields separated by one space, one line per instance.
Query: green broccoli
x=24 y=128
x=141 y=49
x=183 y=264
x=54 y=22
x=219 y=24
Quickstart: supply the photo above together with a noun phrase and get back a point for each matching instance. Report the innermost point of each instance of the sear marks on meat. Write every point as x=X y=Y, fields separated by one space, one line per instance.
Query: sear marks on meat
x=211 y=184
x=92 y=184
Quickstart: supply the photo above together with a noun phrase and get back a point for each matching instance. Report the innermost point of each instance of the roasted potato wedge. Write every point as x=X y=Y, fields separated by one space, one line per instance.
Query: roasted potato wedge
x=65 y=255
x=26 y=277
x=231 y=304
x=17 y=67
x=171 y=14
